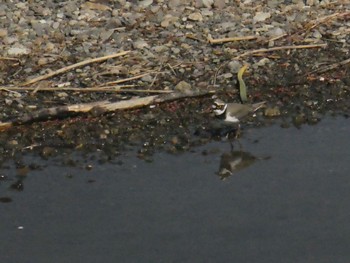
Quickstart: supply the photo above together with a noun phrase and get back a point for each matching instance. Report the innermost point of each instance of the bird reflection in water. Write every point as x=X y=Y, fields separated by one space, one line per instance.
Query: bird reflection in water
x=234 y=161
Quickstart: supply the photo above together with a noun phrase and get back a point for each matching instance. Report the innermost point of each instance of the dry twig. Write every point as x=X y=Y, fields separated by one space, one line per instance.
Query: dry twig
x=7 y=58
x=80 y=64
x=330 y=67
x=125 y=80
x=264 y=50
x=229 y=39
x=115 y=89
x=324 y=19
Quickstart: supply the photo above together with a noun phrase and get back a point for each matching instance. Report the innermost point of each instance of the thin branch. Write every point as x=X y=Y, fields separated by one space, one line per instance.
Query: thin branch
x=80 y=64
x=229 y=39
x=324 y=19
x=7 y=58
x=127 y=79
x=116 y=89
x=264 y=50
x=330 y=67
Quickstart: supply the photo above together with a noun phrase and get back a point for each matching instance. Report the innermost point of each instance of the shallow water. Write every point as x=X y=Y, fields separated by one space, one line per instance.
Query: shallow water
x=290 y=207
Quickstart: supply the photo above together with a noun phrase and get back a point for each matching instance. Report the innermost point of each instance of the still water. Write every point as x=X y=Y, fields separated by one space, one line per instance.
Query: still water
x=291 y=204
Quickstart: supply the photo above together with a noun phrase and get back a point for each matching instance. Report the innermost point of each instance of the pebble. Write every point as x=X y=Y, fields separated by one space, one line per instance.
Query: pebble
x=261 y=16
x=3 y=32
x=195 y=16
x=207 y=3
x=272 y=111
x=140 y=44
x=234 y=66
x=18 y=50
x=145 y=3
x=168 y=20
x=184 y=87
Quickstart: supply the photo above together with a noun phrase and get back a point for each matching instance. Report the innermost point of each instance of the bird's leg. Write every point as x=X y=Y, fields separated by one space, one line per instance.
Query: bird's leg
x=238 y=132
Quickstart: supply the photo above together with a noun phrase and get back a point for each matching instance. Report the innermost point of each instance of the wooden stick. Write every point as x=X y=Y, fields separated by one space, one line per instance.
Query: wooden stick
x=324 y=19
x=7 y=58
x=80 y=64
x=127 y=79
x=117 y=89
x=100 y=107
x=279 y=48
x=330 y=67
x=229 y=39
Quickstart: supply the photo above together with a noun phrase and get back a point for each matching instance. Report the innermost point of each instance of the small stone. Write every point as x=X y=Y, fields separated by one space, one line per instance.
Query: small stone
x=276 y=32
x=47 y=152
x=272 y=111
x=227 y=75
x=140 y=44
x=261 y=16
x=317 y=34
x=147 y=78
x=106 y=34
x=184 y=87
x=234 y=66
x=10 y=40
x=262 y=62
x=145 y=3
x=207 y=12
x=173 y=4
x=3 y=32
x=55 y=25
x=175 y=50
x=195 y=16
x=43 y=61
x=13 y=142
x=168 y=20
x=62 y=95
x=160 y=49
x=208 y=3
x=220 y=4
x=18 y=50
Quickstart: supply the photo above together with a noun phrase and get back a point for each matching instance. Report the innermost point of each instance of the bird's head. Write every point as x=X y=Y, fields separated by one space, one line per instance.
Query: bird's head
x=219 y=107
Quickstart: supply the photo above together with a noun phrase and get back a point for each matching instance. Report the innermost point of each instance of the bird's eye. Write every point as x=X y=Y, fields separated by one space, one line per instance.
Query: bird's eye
x=218 y=106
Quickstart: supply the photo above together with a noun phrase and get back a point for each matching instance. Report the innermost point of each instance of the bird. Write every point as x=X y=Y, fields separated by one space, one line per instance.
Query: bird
x=234 y=112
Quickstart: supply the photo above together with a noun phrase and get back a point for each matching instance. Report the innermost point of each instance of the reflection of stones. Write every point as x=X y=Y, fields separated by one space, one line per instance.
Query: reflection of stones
x=5 y=199
x=18 y=185
x=234 y=161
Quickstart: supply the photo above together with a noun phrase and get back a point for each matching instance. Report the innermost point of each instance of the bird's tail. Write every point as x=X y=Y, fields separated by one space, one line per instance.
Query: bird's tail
x=259 y=105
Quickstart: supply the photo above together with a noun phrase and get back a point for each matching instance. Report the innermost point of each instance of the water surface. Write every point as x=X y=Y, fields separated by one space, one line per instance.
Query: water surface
x=292 y=207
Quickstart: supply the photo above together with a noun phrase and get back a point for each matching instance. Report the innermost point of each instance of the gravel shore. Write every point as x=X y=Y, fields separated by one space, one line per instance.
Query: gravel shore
x=297 y=52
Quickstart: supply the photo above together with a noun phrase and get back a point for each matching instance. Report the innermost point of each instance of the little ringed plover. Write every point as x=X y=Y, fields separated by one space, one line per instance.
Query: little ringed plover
x=234 y=112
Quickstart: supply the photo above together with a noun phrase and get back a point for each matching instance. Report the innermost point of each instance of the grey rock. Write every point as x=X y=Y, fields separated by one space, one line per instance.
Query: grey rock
x=207 y=3
x=18 y=50
x=183 y=87
x=140 y=44
x=196 y=16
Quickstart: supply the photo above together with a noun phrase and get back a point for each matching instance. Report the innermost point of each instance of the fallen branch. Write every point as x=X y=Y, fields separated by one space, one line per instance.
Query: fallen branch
x=80 y=64
x=229 y=39
x=7 y=58
x=325 y=19
x=330 y=67
x=115 y=89
x=127 y=79
x=99 y=107
x=264 y=50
